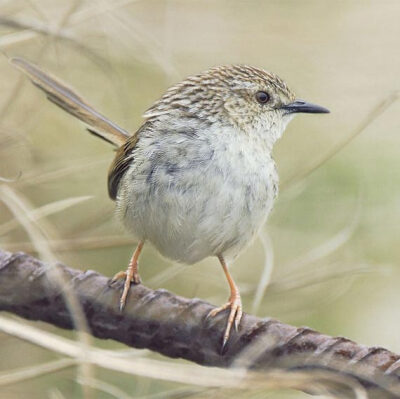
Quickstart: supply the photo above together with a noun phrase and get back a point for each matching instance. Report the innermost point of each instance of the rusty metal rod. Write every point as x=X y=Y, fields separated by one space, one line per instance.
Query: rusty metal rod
x=177 y=327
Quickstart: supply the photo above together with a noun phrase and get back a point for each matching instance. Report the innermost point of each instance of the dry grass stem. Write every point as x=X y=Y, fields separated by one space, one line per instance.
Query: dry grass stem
x=182 y=373
x=22 y=210
x=370 y=118
x=17 y=376
x=267 y=271
x=44 y=211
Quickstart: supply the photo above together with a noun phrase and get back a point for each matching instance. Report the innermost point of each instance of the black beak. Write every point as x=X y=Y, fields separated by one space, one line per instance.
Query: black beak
x=305 y=107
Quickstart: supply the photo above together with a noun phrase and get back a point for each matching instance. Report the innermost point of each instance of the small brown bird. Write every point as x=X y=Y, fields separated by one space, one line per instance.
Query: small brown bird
x=198 y=178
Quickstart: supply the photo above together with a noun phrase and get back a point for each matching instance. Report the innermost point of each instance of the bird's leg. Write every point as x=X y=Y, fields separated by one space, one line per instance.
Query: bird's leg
x=131 y=275
x=234 y=303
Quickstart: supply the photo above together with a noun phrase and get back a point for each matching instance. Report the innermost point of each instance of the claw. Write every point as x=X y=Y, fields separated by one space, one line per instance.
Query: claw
x=118 y=276
x=214 y=312
x=208 y=317
x=235 y=315
x=238 y=317
x=130 y=276
x=136 y=279
x=223 y=347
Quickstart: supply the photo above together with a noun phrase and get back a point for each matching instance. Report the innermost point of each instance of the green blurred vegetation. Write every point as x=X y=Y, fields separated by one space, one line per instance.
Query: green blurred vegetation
x=335 y=230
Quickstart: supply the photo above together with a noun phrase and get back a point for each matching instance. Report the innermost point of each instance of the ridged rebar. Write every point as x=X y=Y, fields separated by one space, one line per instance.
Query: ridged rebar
x=177 y=327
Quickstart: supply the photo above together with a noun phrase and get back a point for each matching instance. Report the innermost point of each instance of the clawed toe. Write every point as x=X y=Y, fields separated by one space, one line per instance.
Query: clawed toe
x=130 y=276
x=235 y=315
x=136 y=279
x=118 y=276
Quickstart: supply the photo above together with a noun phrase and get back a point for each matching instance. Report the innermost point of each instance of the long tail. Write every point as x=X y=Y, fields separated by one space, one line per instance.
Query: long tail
x=61 y=95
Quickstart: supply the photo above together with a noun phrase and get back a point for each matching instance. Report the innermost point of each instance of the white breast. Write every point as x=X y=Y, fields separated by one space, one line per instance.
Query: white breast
x=195 y=196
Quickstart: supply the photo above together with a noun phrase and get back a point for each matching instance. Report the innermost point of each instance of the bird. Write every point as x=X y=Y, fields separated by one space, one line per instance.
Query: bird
x=198 y=178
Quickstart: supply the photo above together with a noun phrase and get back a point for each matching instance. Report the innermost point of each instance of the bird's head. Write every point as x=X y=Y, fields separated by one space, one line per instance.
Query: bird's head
x=248 y=98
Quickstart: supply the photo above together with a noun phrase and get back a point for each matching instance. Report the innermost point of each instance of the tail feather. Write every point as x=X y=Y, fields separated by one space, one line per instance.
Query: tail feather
x=61 y=95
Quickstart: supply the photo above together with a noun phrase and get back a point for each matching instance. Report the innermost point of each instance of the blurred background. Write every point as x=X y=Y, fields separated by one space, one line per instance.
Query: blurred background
x=329 y=255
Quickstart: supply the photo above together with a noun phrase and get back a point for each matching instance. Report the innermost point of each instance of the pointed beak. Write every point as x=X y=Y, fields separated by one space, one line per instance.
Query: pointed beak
x=305 y=107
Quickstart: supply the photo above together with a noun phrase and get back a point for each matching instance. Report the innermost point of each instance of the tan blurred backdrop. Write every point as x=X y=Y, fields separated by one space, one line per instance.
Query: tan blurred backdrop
x=333 y=238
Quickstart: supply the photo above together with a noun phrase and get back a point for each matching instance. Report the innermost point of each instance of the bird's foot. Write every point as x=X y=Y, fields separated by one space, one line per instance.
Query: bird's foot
x=122 y=275
x=130 y=276
x=235 y=315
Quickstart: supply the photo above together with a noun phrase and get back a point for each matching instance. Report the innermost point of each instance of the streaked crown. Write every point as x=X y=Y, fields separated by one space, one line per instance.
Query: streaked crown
x=225 y=94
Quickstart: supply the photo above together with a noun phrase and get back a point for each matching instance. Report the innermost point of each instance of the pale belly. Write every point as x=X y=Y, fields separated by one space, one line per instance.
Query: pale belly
x=194 y=201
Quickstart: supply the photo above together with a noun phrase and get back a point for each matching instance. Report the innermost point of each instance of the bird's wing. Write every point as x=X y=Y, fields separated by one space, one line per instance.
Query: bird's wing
x=123 y=159
x=68 y=100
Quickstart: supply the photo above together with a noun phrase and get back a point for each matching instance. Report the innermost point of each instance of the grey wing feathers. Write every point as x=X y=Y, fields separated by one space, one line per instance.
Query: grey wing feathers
x=69 y=101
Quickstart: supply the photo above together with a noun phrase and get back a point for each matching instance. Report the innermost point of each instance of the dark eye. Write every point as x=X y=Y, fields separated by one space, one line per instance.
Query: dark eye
x=262 y=97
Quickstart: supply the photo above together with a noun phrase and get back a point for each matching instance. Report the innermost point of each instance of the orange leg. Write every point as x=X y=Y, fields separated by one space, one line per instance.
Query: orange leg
x=234 y=303
x=131 y=275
